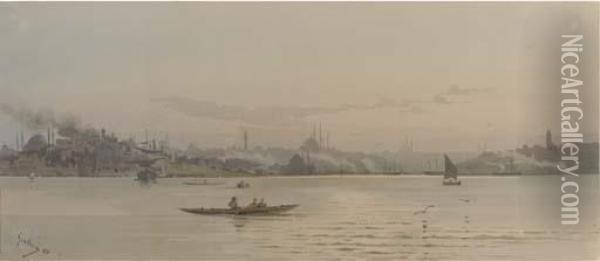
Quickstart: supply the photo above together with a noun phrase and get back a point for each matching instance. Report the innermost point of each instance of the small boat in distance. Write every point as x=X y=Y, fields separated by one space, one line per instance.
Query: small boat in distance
x=450 y=172
x=242 y=185
x=241 y=211
x=147 y=176
x=202 y=183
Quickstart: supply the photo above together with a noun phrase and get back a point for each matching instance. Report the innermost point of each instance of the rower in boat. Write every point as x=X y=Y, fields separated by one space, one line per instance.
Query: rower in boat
x=262 y=203
x=241 y=211
x=243 y=184
x=233 y=203
x=253 y=204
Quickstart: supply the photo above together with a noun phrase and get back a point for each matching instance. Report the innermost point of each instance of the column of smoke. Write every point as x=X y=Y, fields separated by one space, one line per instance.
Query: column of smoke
x=324 y=159
x=522 y=162
x=67 y=125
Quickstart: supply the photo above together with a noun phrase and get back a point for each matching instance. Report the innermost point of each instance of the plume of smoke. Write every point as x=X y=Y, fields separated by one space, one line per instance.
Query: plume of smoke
x=30 y=119
x=263 y=159
x=523 y=160
x=330 y=163
x=68 y=125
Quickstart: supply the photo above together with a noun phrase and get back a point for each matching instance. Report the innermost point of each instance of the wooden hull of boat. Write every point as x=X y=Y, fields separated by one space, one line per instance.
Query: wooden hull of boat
x=240 y=211
x=506 y=173
x=202 y=184
x=452 y=183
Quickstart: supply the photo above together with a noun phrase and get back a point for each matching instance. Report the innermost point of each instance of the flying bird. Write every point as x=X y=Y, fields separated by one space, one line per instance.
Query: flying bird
x=423 y=211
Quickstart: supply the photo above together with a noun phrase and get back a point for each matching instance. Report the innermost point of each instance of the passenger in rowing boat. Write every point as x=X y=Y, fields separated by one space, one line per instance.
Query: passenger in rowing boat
x=233 y=203
x=242 y=184
x=262 y=203
x=253 y=204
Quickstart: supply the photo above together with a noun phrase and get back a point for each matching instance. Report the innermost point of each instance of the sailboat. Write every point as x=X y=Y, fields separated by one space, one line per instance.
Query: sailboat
x=450 y=172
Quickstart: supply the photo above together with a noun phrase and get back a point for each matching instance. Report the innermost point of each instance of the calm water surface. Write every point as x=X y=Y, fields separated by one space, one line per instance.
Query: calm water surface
x=339 y=218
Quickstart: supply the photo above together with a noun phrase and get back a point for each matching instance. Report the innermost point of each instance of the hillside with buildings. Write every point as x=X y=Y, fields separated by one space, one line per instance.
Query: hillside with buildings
x=52 y=147
x=530 y=159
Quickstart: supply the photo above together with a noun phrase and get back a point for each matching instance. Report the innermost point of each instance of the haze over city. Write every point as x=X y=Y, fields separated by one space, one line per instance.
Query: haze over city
x=451 y=79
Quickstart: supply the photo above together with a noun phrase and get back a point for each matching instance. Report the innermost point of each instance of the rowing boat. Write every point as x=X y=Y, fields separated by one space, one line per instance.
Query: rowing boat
x=241 y=211
x=192 y=183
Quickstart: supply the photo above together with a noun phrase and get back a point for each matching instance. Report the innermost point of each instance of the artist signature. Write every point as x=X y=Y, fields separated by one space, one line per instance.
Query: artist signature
x=28 y=243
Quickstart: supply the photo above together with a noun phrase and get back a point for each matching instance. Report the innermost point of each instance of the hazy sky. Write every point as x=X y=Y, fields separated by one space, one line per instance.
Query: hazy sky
x=451 y=76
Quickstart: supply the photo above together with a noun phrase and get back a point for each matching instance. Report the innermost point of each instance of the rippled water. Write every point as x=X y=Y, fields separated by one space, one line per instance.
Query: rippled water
x=339 y=218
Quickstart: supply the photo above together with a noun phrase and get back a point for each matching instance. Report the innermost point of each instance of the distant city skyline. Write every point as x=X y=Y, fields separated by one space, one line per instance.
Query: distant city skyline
x=452 y=77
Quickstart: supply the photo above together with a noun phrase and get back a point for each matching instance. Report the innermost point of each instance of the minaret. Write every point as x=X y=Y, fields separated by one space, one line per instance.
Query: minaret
x=549 y=144
x=147 y=142
x=245 y=140
x=51 y=135
x=167 y=140
x=22 y=140
x=320 y=136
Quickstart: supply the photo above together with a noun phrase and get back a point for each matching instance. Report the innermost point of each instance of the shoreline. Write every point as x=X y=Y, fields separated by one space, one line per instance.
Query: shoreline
x=237 y=176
